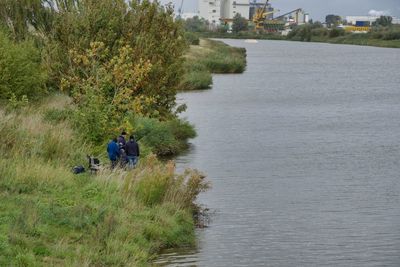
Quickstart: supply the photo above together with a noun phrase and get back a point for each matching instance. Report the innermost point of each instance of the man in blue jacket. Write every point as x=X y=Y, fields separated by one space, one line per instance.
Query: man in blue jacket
x=113 y=152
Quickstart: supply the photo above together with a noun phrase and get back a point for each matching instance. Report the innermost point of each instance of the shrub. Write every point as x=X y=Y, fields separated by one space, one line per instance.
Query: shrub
x=163 y=137
x=301 y=33
x=222 y=28
x=181 y=129
x=391 y=35
x=377 y=34
x=239 y=23
x=319 y=32
x=57 y=115
x=192 y=38
x=336 y=33
x=20 y=70
x=195 y=24
x=195 y=80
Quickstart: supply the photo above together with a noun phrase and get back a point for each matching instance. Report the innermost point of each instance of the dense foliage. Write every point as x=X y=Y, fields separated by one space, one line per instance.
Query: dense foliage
x=333 y=20
x=239 y=23
x=192 y=38
x=195 y=24
x=21 y=74
x=316 y=32
x=117 y=59
x=384 y=21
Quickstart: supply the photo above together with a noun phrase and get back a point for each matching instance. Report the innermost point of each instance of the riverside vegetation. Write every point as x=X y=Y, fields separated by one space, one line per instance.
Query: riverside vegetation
x=207 y=57
x=51 y=217
x=381 y=34
x=73 y=74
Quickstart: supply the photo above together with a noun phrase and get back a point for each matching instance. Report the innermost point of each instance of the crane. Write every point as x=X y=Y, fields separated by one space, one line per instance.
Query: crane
x=296 y=11
x=260 y=15
x=180 y=10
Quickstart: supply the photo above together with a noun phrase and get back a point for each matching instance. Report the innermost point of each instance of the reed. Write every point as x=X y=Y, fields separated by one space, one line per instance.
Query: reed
x=211 y=57
x=51 y=217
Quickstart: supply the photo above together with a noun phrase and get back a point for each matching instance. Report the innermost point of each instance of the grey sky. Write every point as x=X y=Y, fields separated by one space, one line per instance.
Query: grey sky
x=318 y=9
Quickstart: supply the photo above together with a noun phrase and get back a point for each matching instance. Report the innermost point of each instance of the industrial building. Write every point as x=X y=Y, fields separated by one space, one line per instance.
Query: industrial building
x=217 y=11
x=352 y=20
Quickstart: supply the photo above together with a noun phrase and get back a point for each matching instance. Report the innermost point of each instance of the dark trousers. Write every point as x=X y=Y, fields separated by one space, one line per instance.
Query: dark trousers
x=114 y=163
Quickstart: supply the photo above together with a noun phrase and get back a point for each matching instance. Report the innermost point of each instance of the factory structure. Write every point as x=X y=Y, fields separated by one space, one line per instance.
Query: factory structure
x=223 y=11
x=361 y=24
x=354 y=20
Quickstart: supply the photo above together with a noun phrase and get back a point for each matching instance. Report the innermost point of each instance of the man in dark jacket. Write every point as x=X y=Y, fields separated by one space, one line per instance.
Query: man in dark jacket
x=122 y=140
x=113 y=152
x=132 y=152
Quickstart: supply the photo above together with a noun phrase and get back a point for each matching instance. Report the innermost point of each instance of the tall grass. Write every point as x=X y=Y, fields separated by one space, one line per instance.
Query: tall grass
x=197 y=76
x=50 y=217
x=225 y=59
x=211 y=57
x=163 y=138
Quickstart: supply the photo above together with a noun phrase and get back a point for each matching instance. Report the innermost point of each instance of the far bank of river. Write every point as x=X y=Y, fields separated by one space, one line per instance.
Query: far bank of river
x=360 y=39
x=303 y=153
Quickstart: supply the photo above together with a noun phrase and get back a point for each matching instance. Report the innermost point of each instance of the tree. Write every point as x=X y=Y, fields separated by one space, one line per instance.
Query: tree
x=116 y=57
x=332 y=20
x=239 y=23
x=223 y=28
x=20 y=70
x=22 y=15
x=384 y=21
x=316 y=25
x=195 y=24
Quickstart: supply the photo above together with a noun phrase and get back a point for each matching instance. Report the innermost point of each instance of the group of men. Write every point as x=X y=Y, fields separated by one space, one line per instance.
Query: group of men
x=122 y=151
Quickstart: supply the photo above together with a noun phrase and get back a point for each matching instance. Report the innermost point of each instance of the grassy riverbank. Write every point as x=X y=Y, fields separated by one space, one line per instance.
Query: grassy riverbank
x=51 y=217
x=360 y=39
x=379 y=37
x=68 y=84
x=211 y=57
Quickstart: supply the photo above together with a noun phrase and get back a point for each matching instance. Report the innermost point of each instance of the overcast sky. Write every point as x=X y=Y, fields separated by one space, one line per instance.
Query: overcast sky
x=318 y=9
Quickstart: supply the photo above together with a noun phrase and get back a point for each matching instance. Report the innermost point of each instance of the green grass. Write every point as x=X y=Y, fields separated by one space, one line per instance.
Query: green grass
x=361 y=39
x=225 y=59
x=211 y=57
x=165 y=138
x=50 y=217
x=195 y=80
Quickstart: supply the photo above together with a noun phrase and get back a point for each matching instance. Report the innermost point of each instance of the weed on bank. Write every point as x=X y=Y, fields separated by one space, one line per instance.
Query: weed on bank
x=50 y=216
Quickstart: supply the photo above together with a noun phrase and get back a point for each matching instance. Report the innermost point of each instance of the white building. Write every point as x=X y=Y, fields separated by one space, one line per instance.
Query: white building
x=214 y=10
x=353 y=19
x=210 y=10
x=231 y=8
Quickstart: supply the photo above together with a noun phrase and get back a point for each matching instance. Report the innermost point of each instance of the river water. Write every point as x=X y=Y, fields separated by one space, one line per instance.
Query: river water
x=303 y=152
